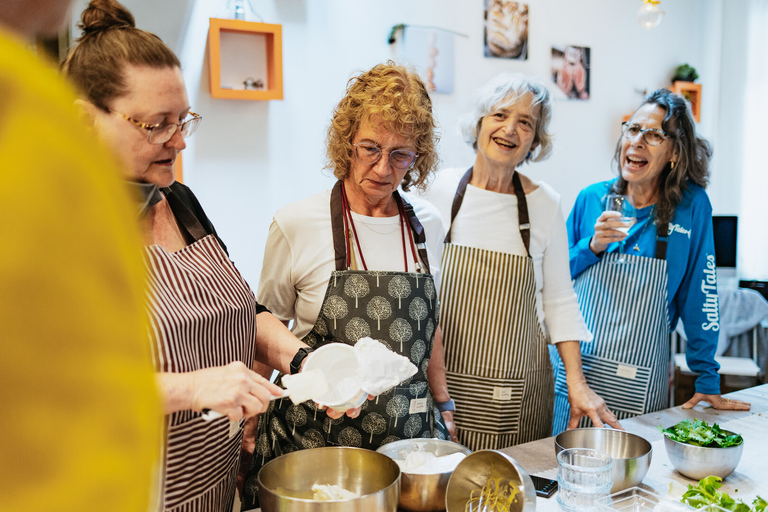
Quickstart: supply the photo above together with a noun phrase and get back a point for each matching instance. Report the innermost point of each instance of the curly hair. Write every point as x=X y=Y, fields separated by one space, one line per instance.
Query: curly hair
x=501 y=91
x=400 y=100
x=693 y=153
x=109 y=42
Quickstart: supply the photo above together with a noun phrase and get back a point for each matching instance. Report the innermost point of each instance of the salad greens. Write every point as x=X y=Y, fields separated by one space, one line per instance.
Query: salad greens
x=700 y=433
x=706 y=493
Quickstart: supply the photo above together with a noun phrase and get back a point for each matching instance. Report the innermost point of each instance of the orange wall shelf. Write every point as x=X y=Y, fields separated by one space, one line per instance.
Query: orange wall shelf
x=246 y=60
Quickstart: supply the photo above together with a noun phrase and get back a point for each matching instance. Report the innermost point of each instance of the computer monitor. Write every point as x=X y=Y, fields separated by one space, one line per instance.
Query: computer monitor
x=725 y=230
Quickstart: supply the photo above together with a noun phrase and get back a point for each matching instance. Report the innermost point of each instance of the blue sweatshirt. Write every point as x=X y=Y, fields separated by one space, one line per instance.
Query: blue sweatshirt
x=692 y=281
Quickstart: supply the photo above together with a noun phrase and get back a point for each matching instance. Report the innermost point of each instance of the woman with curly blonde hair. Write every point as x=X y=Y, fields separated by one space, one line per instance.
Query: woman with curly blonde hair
x=363 y=260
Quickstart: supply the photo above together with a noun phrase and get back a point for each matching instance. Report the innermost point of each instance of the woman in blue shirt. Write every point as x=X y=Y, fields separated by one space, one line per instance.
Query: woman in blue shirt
x=669 y=272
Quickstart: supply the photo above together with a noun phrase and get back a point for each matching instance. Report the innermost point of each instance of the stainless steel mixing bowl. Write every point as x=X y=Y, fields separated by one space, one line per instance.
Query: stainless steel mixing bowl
x=473 y=473
x=631 y=453
x=422 y=492
x=285 y=483
x=697 y=462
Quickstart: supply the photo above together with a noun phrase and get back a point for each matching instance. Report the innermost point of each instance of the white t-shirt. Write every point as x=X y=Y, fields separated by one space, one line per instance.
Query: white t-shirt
x=299 y=255
x=489 y=220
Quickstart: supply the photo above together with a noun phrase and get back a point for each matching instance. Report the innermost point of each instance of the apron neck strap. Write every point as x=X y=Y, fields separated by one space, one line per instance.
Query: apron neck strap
x=522 y=208
x=184 y=216
x=341 y=245
x=340 y=241
x=662 y=233
x=417 y=233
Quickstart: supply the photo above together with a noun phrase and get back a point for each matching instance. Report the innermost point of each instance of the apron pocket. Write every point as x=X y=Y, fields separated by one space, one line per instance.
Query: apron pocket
x=487 y=405
x=624 y=387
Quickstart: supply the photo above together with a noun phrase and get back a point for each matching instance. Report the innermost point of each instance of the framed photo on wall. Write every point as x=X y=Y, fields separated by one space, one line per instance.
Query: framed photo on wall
x=506 y=29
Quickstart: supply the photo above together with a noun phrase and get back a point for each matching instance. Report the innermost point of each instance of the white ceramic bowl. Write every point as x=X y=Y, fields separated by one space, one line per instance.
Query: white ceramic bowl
x=338 y=363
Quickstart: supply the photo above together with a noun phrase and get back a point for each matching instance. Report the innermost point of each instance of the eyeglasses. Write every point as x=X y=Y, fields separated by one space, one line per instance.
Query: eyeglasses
x=651 y=136
x=162 y=132
x=370 y=154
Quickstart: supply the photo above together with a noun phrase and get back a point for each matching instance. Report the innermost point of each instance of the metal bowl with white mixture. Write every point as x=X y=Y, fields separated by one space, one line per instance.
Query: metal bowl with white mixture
x=285 y=483
x=422 y=492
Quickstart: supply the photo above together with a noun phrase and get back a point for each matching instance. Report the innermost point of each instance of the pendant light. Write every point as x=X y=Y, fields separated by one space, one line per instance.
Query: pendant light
x=649 y=16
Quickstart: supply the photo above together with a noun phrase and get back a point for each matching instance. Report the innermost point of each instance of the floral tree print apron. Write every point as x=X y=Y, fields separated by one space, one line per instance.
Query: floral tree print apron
x=191 y=293
x=627 y=363
x=496 y=356
x=400 y=310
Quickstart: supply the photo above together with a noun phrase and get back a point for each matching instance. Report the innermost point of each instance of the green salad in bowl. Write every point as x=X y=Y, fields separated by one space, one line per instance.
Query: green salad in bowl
x=700 y=433
x=697 y=449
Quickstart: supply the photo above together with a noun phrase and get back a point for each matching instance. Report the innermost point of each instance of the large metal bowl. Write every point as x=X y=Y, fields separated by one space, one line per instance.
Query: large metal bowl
x=285 y=483
x=631 y=453
x=697 y=462
x=423 y=492
x=473 y=473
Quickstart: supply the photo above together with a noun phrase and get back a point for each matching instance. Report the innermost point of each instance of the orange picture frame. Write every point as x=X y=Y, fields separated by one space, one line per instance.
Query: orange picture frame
x=692 y=93
x=233 y=64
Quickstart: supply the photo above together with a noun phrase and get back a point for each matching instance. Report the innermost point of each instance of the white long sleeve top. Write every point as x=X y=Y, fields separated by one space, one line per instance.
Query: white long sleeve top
x=489 y=220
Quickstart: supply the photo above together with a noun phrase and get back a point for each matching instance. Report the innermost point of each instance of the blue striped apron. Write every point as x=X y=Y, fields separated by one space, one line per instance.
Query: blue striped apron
x=498 y=367
x=627 y=364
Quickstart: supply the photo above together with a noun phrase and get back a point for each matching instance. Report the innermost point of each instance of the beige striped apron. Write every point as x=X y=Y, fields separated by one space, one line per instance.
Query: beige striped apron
x=202 y=314
x=496 y=355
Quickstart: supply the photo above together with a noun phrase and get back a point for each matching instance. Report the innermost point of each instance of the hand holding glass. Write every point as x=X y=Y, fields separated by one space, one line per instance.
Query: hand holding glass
x=627 y=216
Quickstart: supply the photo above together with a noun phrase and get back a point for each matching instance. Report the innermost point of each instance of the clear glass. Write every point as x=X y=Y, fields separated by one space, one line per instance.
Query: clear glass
x=636 y=499
x=628 y=216
x=649 y=15
x=370 y=154
x=583 y=477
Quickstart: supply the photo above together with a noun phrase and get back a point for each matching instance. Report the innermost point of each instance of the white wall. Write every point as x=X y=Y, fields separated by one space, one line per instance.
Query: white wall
x=250 y=158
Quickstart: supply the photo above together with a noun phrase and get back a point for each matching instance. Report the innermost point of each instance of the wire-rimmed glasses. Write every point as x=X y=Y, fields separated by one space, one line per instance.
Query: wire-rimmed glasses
x=628 y=216
x=162 y=132
x=651 y=136
x=368 y=154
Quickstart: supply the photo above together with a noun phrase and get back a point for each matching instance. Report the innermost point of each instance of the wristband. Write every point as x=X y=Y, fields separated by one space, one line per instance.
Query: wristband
x=298 y=358
x=450 y=405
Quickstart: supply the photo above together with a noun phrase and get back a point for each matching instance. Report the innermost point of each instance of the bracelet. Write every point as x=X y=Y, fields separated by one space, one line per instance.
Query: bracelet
x=450 y=405
x=298 y=358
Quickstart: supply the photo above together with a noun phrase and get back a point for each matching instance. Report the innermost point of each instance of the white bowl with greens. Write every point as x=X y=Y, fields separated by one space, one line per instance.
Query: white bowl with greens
x=697 y=449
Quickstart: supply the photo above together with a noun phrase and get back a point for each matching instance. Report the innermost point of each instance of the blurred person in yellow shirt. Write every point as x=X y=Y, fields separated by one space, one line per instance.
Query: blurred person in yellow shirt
x=81 y=421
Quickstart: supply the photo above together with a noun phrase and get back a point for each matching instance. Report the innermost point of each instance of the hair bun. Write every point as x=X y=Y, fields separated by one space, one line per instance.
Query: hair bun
x=103 y=15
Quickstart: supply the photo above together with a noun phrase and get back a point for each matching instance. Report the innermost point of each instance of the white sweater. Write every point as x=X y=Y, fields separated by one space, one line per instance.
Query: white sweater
x=299 y=255
x=489 y=220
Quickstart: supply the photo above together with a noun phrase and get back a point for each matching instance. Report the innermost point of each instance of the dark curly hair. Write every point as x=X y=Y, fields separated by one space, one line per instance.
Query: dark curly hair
x=399 y=98
x=693 y=153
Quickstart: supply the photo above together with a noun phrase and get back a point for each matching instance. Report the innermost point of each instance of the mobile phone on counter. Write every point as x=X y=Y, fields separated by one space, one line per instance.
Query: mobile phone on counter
x=545 y=487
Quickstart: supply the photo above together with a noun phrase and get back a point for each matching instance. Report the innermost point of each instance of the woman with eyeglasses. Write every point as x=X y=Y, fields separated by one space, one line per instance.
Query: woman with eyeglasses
x=670 y=269
x=363 y=260
x=506 y=291
x=205 y=326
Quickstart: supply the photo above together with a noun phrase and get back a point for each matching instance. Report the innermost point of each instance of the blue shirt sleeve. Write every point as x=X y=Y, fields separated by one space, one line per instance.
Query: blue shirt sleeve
x=696 y=297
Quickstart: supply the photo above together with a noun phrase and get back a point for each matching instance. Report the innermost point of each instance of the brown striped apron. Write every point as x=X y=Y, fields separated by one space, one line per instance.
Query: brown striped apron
x=496 y=354
x=202 y=314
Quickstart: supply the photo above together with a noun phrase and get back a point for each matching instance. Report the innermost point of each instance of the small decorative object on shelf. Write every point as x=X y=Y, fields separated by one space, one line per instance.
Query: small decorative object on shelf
x=246 y=60
x=692 y=94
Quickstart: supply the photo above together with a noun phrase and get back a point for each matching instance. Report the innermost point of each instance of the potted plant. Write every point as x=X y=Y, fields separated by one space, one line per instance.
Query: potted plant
x=685 y=73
